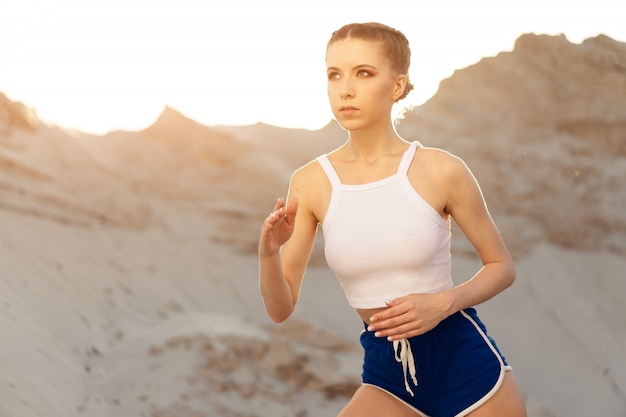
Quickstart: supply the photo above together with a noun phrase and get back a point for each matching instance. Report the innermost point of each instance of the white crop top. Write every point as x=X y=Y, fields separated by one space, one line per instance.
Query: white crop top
x=382 y=240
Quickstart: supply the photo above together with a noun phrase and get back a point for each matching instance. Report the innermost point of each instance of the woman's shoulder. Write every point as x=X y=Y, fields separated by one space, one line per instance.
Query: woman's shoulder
x=439 y=167
x=312 y=187
x=310 y=173
x=312 y=167
x=437 y=158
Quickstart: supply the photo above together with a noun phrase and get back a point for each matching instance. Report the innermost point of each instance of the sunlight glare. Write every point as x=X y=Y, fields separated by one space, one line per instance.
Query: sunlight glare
x=99 y=65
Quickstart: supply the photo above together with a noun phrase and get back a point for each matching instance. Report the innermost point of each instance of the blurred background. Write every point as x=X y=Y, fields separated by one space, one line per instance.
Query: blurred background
x=142 y=144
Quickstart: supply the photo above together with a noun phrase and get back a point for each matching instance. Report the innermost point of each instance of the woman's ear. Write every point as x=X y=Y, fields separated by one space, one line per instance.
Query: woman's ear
x=400 y=87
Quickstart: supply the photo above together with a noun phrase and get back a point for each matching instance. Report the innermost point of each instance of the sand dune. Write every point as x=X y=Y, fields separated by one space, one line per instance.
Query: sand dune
x=128 y=276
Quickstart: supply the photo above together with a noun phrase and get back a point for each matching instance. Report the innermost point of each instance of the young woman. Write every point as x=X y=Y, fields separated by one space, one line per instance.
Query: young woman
x=385 y=206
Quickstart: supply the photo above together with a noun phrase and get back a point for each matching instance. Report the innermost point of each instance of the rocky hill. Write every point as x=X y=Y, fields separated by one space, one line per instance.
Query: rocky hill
x=543 y=127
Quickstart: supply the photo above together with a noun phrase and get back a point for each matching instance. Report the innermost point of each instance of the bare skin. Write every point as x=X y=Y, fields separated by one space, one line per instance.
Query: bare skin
x=362 y=89
x=369 y=401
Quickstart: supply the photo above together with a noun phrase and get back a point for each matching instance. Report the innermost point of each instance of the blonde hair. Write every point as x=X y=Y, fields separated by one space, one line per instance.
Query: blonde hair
x=395 y=45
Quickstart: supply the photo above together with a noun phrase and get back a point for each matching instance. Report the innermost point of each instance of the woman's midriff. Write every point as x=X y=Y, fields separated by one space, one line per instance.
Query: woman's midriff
x=366 y=314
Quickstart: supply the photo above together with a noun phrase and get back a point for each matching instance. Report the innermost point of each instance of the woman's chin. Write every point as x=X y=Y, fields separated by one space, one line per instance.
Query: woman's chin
x=350 y=124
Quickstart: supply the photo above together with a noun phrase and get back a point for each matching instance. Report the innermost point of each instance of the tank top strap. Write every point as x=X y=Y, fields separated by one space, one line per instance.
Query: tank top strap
x=329 y=170
x=407 y=158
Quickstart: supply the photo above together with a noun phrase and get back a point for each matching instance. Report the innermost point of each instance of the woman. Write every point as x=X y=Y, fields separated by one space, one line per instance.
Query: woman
x=385 y=206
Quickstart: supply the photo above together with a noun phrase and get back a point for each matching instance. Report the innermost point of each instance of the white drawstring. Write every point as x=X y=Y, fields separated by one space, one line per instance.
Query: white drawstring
x=406 y=358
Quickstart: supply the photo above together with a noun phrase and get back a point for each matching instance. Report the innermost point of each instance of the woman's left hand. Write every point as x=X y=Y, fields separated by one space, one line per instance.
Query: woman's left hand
x=412 y=315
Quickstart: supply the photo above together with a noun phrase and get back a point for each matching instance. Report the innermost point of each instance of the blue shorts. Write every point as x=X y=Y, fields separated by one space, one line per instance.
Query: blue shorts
x=448 y=371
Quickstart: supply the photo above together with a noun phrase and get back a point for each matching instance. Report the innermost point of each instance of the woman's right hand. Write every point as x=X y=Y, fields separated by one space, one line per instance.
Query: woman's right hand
x=278 y=227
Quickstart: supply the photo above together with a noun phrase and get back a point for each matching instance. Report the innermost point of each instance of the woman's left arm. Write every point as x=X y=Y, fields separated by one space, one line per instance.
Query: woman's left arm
x=466 y=205
x=462 y=199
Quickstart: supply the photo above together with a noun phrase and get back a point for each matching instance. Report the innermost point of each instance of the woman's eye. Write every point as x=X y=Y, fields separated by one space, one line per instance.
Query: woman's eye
x=363 y=73
x=333 y=75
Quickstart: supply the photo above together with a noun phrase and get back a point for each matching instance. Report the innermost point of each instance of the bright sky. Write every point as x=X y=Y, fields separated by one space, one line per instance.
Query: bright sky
x=101 y=65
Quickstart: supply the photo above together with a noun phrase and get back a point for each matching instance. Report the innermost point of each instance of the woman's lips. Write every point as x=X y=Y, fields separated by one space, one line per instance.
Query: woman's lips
x=348 y=110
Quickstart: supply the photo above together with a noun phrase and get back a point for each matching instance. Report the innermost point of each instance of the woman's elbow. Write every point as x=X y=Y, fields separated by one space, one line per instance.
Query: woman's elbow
x=279 y=316
x=278 y=319
x=510 y=273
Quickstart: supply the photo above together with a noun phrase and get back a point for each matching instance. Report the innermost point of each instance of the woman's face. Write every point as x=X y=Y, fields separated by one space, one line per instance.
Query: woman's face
x=362 y=87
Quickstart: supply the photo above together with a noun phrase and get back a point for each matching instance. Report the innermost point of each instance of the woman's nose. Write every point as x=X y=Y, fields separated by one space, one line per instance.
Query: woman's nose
x=347 y=89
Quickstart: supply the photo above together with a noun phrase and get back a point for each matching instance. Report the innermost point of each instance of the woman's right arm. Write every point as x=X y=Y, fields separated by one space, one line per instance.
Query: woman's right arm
x=285 y=246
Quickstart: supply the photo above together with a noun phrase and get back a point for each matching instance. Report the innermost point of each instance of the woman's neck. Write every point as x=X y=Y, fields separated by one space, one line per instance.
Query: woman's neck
x=369 y=144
